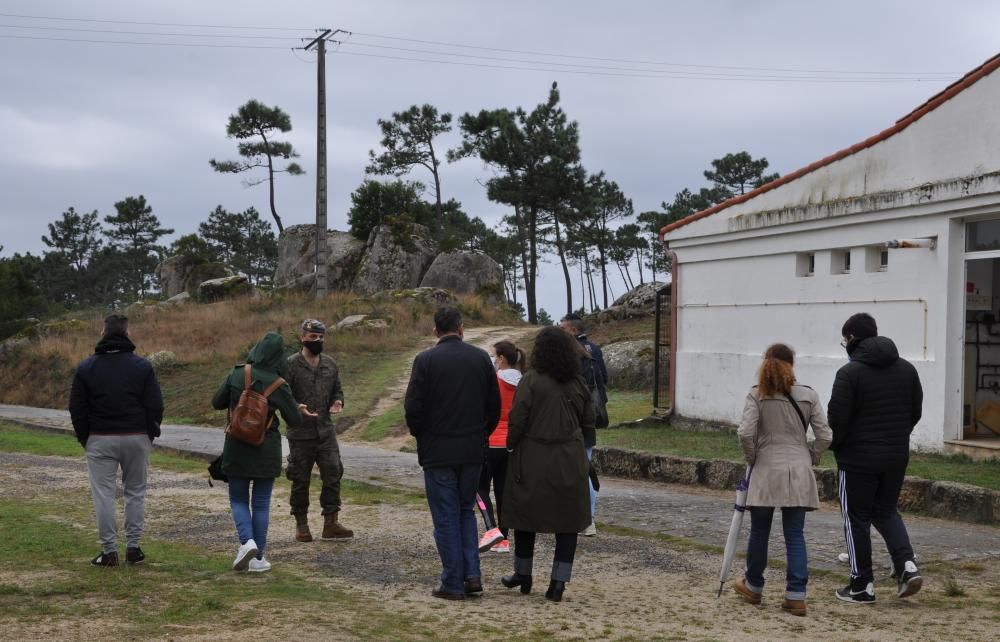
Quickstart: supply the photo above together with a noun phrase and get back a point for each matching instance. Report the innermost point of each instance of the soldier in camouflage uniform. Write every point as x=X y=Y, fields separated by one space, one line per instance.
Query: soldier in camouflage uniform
x=315 y=382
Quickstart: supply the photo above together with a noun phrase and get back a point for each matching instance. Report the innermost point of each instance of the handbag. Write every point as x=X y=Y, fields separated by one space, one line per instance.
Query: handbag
x=215 y=472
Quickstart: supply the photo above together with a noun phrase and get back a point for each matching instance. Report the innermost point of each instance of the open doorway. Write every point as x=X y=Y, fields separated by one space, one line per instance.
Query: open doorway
x=981 y=402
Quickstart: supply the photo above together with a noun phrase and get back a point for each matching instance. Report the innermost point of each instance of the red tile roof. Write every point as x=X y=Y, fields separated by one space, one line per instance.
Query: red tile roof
x=930 y=105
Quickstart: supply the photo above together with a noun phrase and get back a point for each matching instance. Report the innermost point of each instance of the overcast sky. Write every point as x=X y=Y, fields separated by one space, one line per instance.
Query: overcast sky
x=86 y=124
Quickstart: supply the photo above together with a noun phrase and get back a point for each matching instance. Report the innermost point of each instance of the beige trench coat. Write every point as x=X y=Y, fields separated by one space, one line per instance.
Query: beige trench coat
x=774 y=443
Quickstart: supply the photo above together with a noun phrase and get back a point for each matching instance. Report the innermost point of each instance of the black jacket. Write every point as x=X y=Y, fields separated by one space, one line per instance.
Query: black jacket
x=452 y=403
x=875 y=404
x=115 y=392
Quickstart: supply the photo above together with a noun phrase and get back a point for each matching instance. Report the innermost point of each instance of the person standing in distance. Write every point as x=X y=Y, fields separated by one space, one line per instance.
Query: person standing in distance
x=452 y=405
x=116 y=407
x=595 y=373
x=875 y=403
x=315 y=382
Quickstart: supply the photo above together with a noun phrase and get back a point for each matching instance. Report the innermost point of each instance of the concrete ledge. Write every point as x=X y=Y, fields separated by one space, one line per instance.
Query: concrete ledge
x=945 y=500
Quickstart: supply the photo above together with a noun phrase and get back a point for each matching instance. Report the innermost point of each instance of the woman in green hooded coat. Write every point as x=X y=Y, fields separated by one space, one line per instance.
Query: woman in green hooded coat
x=245 y=464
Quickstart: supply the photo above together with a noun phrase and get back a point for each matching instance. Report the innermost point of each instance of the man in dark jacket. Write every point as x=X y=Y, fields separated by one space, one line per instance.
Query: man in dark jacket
x=595 y=373
x=116 y=407
x=875 y=404
x=452 y=404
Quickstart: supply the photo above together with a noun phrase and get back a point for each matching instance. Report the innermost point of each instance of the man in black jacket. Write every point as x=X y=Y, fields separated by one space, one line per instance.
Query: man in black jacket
x=875 y=404
x=452 y=404
x=116 y=407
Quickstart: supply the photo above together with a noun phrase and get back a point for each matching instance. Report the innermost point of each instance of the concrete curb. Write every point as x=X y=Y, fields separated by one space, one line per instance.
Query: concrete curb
x=945 y=500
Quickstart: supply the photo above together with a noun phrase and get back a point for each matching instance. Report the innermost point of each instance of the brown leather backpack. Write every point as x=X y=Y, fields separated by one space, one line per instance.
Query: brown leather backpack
x=249 y=420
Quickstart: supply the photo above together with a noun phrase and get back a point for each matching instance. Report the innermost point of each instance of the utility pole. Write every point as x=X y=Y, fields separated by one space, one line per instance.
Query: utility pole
x=322 y=284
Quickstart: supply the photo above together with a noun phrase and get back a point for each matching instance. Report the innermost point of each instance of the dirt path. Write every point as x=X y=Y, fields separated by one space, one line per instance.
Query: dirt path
x=481 y=337
x=623 y=587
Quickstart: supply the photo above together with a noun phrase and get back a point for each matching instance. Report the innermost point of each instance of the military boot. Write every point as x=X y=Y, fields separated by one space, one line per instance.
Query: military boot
x=332 y=529
x=302 y=533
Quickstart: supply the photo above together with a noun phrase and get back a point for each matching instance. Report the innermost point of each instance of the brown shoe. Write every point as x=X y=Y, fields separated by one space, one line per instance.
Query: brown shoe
x=439 y=592
x=740 y=586
x=795 y=607
x=332 y=529
x=302 y=533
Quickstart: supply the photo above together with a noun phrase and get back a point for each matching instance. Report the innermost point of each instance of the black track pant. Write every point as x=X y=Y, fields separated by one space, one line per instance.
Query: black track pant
x=870 y=499
x=494 y=474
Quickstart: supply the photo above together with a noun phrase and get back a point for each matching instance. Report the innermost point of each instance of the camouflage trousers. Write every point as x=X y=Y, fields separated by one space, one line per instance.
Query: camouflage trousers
x=303 y=455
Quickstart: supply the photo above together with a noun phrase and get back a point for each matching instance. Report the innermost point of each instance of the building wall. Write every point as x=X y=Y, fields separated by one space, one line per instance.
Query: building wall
x=737 y=297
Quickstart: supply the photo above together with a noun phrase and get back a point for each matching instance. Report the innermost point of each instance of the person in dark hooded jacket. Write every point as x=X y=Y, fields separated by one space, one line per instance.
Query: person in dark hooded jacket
x=875 y=403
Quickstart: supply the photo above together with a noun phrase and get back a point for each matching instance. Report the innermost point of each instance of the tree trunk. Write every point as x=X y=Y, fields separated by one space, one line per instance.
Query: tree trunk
x=437 y=181
x=529 y=278
x=590 y=281
x=638 y=260
x=565 y=267
x=622 y=273
x=604 y=272
x=628 y=273
x=270 y=182
x=652 y=264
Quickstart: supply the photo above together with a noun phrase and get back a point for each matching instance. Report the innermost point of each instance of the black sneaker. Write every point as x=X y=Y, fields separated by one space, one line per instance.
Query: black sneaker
x=105 y=559
x=134 y=556
x=864 y=596
x=909 y=581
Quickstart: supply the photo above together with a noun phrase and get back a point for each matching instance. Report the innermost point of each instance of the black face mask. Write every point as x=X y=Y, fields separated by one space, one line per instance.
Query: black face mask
x=851 y=346
x=315 y=347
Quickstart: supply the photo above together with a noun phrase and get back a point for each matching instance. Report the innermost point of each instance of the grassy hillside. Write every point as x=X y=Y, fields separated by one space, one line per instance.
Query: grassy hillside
x=206 y=340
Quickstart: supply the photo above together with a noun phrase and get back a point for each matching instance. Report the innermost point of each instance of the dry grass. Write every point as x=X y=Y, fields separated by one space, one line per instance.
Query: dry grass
x=214 y=336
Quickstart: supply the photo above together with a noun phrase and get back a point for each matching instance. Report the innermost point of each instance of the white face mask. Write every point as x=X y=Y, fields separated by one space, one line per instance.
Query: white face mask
x=493 y=360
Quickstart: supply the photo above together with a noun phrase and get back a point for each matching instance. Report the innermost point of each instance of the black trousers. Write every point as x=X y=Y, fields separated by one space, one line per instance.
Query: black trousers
x=524 y=546
x=494 y=473
x=870 y=499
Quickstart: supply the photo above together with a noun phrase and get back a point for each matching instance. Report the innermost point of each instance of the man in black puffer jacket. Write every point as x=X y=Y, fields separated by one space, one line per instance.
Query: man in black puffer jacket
x=875 y=404
x=116 y=407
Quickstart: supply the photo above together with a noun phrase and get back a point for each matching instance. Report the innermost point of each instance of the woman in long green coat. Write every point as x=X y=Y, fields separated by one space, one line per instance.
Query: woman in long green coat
x=547 y=488
x=245 y=464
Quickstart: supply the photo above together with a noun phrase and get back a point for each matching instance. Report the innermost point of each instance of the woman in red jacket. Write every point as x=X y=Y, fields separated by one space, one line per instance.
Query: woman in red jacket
x=509 y=361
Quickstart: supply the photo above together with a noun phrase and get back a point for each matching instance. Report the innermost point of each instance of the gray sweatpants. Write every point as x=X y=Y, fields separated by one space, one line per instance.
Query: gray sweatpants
x=105 y=454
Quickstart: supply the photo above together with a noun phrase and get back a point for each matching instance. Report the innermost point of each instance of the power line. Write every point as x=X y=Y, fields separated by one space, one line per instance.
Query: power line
x=641 y=62
x=157 y=24
x=139 y=42
x=149 y=33
x=674 y=72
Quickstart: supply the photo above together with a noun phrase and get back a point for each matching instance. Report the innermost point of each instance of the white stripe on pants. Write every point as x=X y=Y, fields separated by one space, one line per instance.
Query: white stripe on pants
x=848 y=533
x=105 y=454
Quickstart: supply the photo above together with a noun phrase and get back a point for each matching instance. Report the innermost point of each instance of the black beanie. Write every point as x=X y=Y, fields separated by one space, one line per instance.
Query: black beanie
x=860 y=326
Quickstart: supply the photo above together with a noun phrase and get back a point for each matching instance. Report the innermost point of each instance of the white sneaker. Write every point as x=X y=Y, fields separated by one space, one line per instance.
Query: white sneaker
x=258 y=565
x=244 y=555
x=590 y=531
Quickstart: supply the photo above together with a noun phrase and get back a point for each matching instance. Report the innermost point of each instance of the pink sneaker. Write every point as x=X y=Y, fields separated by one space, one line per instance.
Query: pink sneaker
x=489 y=538
x=502 y=547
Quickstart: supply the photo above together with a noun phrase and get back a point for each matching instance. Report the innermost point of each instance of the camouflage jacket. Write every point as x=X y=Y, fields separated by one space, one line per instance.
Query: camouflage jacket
x=317 y=388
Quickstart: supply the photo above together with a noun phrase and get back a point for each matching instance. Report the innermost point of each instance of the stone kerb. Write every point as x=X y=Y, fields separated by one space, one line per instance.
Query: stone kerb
x=945 y=500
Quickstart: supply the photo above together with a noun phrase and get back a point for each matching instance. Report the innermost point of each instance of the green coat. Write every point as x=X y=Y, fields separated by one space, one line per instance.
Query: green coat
x=317 y=388
x=547 y=489
x=240 y=459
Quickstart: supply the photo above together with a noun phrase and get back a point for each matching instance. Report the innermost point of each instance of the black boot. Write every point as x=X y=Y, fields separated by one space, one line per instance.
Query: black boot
x=555 y=591
x=511 y=581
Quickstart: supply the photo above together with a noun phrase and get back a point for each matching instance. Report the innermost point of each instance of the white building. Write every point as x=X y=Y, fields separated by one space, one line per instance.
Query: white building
x=791 y=260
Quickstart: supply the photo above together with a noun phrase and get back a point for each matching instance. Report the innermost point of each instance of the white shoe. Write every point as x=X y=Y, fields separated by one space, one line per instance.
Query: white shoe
x=258 y=565
x=590 y=531
x=243 y=556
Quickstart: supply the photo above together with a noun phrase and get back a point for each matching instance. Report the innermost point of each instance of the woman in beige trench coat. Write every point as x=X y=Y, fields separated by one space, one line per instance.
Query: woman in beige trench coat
x=773 y=436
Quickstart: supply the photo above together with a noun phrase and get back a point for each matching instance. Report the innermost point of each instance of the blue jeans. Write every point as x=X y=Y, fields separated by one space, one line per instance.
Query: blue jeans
x=797 y=573
x=451 y=495
x=593 y=493
x=251 y=515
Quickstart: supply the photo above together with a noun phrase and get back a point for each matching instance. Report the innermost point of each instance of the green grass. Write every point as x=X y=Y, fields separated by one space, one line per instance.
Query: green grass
x=385 y=425
x=366 y=378
x=626 y=406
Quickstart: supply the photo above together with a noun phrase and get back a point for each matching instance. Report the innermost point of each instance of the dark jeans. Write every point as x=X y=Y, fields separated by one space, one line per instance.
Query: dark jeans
x=797 y=570
x=451 y=495
x=495 y=474
x=251 y=515
x=562 y=562
x=870 y=499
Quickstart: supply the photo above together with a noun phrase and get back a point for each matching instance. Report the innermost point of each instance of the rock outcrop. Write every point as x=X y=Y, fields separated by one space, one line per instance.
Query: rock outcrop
x=228 y=287
x=180 y=273
x=465 y=272
x=394 y=260
x=640 y=301
x=296 y=258
x=630 y=364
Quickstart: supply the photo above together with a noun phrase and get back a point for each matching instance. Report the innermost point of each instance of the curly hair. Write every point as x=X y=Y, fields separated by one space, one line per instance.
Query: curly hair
x=776 y=374
x=556 y=354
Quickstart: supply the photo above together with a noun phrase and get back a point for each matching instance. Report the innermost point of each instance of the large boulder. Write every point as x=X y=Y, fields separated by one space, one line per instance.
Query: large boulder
x=395 y=259
x=297 y=258
x=630 y=364
x=638 y=302
x=465 y=272
x=181 y=273
x=228 y=287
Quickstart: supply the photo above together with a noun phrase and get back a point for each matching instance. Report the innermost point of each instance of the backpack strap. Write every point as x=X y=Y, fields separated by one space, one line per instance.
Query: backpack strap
x=246 y=377
x=274 y=386
x=798 y=411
